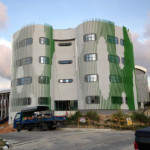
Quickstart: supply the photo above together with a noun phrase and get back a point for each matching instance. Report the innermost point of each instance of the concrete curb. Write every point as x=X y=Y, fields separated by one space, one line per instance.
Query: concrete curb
x=7 y=145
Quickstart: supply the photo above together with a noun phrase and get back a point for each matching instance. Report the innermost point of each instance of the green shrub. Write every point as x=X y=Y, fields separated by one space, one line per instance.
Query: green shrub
x=92 y=115
x=2 y=143
x=119 y=113
x=139 y=117
x=75 y=116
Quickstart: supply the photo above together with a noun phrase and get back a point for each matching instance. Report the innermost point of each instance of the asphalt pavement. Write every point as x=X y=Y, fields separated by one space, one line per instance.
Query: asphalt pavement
x=71 y=139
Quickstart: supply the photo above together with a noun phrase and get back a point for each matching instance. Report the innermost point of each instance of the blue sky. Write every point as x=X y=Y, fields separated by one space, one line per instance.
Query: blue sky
x=70 y=13
x=61 y=14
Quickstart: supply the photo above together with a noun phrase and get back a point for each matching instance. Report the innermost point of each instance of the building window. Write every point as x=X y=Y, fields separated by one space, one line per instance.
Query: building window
x=112 y=39
x=22 y=101
x=66 y=105
x=24 y=61
x=115 y=79
x=116 y=100
x=123 y=60
x=91 y=78
x=122 y=42
x=43 y=100
x=44 y=41
x=92 y=99
x=24 y=81
x=114 y=59
x=44 y=80
x=89 y=37
x=90 y=57
x=65 y=44
x=24 y=42
x=65 y=80
x=44 y=60
x=65 y=62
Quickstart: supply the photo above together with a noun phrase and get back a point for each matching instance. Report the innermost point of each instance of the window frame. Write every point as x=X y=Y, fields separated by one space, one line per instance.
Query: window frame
x=65 y=44
x=115 y=79
x=88 y=79
x=45 y=60
x=114 y=59
x=65 y=62
x=89 y=37
x=44 y=81
x=44 y=41
x=88 y=57
x=65 y=80
x=112 y=39
x=92 y=100
x=24 y=81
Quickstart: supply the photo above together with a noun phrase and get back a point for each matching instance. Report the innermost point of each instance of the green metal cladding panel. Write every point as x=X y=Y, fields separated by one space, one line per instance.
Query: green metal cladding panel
x=49 y=53
x=103 y=29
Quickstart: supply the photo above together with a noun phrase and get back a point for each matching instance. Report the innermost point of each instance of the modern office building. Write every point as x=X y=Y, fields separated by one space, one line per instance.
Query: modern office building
x=90 y=67
x=142 y=85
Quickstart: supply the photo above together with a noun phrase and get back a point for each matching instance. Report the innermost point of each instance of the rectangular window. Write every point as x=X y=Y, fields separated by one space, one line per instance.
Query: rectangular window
x=90 y=57
x=89 y=37
x=24 y=61
x=24 y=42
x=22 y=101
x=114 y=59
x=65 y=44
x=43 y=100
x=91 y=78
x=65 y=80
x=123 y=60
x=66 y=105
x=122 y=42
x=44 y=41
x=24 y=81
x=115 y=79
x=44 y=60
x=29 y=41
x=116 y=100
x=44 y=80
x=65 y=62
x=112 y=39
x=92 y=99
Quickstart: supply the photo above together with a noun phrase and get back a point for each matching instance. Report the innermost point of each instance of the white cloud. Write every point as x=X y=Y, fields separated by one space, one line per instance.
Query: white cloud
x=5 y=58
x=5 y=43
x=142 y=49
x=3 y=16
x=4 y=83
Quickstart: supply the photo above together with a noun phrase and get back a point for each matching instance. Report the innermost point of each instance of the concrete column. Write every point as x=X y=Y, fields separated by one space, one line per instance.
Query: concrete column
x=2 y=107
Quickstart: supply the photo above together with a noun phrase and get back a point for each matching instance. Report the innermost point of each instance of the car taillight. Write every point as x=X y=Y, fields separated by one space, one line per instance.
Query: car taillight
x=136 y=146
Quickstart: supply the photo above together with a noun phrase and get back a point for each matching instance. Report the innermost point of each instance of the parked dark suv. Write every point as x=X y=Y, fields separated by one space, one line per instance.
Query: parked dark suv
x=142 y=139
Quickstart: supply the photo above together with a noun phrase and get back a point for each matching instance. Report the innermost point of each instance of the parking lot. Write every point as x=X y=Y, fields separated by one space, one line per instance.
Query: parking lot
x=71 y=139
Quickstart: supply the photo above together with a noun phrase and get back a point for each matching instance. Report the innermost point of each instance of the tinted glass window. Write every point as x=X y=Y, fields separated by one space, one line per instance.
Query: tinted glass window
x=90 y=57
x=66 y=80
x=91 y=78
x=44 y=80
x=89 y=37
x=44 y=41
x=65 y=44
x=44 y=60
x=65 y=62
x=115 y=79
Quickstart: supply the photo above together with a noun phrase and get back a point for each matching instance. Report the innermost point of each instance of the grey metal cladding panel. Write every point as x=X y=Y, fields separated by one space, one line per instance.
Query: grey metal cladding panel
x=139 y=72
x=64 y=34
x=142 y=88
x=33 y=90
x=88 y=89
x=65 y=91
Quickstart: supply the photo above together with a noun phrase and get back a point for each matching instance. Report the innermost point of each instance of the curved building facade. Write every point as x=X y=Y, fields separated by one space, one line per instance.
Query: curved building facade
x=142 y=85
x=87 y=67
